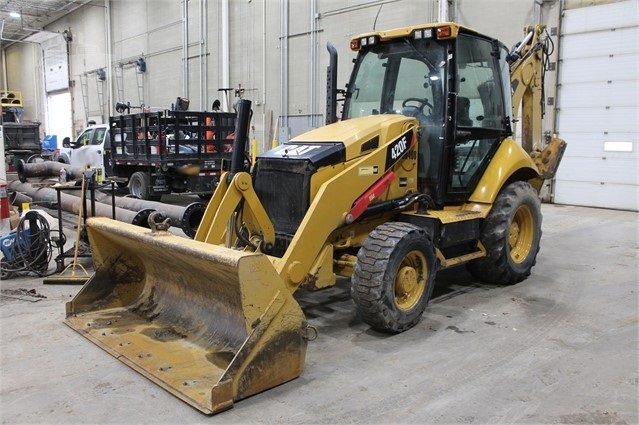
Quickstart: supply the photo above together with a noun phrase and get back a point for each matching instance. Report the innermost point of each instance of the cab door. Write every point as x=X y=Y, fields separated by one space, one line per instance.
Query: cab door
x=480 y=105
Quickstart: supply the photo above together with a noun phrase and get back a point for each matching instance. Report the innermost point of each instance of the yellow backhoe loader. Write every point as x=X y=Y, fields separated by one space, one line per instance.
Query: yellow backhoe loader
x=422 y=172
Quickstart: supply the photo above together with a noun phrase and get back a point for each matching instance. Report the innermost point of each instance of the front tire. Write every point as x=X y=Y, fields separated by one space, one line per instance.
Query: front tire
x=394 y=276
x=511 y=235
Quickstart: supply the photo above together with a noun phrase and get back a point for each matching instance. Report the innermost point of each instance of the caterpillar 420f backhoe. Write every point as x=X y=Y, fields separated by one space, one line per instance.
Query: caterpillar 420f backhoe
x=421 y=173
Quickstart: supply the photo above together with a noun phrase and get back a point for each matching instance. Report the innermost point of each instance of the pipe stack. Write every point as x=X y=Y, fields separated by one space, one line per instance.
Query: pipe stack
x=187 y=218
x=69 y=203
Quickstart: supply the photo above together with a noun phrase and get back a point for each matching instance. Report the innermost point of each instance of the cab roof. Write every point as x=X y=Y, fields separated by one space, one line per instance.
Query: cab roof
x=455 y=28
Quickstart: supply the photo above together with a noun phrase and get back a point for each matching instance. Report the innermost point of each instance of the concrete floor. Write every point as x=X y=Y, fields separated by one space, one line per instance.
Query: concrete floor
x=560 y=347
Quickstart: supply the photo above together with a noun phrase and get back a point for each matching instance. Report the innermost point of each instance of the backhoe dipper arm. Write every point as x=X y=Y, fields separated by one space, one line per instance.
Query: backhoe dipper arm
x=526 y=78
x=527 y=69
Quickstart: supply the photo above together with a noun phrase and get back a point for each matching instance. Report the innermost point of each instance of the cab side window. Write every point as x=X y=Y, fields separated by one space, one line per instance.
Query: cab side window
x=98 y=136
x=480 y=113
x=480 y=99
x=367 y=88
x=84 y=139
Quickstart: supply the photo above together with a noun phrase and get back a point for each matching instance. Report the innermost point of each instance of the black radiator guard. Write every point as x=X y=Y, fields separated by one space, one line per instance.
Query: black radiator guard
x=282 y=180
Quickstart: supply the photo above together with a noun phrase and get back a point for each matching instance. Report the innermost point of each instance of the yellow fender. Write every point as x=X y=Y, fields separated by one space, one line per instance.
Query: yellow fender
x=510 y=159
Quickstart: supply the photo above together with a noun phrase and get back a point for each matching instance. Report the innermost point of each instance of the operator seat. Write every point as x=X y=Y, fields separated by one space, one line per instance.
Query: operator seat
x=492 y=116
x=463 y=112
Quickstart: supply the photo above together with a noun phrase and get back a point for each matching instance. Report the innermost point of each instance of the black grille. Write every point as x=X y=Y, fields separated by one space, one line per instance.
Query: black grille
x=283 y=187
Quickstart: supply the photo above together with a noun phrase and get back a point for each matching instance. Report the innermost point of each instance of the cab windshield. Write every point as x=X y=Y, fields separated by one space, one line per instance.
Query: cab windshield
x=405 y=76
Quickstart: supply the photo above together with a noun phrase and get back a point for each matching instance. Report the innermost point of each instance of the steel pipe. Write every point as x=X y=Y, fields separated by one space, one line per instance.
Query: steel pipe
x=47 y=169
x=192 y=217
x=17 y=199
x=187 y=218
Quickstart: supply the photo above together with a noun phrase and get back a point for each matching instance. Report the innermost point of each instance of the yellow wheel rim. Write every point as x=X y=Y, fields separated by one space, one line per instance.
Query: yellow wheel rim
x=522 y=233
x=410 y=282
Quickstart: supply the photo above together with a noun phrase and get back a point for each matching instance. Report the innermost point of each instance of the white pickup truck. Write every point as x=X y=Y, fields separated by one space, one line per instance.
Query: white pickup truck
x=89 y=149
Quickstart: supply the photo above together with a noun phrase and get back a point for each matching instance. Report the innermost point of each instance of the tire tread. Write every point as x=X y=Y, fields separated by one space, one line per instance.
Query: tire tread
x=367 y=283
x=497 y=267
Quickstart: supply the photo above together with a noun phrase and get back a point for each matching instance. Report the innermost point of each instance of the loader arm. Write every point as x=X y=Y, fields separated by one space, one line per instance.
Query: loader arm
x=221 y=213
x=310 y=248
x=324 y=217
x=209 y=324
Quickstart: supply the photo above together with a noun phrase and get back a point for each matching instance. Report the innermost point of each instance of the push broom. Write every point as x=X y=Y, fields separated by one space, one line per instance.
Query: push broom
x=64 y=278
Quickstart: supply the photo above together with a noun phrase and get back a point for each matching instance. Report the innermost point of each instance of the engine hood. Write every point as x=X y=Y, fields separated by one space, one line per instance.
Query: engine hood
x=344 y=140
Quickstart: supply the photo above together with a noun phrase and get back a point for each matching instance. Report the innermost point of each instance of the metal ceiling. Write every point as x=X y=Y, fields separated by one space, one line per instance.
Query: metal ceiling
x=22 y=18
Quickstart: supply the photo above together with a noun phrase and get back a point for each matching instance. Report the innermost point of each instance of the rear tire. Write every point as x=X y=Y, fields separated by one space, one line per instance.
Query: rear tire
x=511 y=235
x=34 y=159
x=394 y=276
x=139 y=187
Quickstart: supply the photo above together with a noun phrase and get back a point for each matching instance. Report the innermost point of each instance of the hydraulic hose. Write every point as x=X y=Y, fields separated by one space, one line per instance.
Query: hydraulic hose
x=32 y=248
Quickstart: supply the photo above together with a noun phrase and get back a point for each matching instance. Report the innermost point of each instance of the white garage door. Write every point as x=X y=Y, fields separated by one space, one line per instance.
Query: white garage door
x=598 y=104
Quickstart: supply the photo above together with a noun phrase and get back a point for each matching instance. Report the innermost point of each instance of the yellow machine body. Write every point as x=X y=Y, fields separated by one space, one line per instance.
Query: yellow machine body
x=213 y=320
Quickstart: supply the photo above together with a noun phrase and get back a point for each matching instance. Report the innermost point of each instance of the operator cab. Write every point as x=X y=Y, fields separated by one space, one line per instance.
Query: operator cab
x=454 y=81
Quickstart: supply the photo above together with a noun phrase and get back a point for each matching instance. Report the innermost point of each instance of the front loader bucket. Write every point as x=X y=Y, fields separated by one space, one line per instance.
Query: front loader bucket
x=209 y=324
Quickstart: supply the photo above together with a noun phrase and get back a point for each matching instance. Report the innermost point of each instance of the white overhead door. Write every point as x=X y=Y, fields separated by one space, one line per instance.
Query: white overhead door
x=598 y=101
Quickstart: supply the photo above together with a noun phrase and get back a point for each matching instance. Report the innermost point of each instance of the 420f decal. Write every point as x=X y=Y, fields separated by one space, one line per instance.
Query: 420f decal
x=398 y=148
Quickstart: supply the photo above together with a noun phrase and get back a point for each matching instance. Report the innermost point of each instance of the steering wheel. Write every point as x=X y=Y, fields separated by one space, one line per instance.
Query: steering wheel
x=421 y=103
